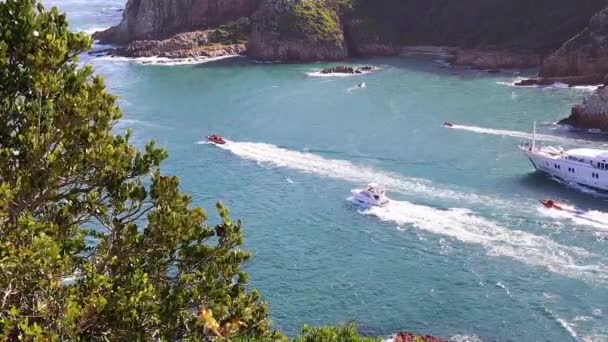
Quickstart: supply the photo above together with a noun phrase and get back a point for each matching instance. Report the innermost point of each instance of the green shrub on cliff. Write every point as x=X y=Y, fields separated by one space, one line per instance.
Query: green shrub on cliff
x=313 y=19
x=234 y=32
x=95 y=243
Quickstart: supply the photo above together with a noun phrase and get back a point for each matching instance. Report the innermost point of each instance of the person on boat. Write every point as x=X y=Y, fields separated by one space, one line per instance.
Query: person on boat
x=216 y=139
x=550 y=204
x=448 y=124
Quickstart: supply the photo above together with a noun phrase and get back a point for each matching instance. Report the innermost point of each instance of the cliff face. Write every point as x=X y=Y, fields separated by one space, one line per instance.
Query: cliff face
x=306 y=30
x=539 y=26
x=160 y=19
x=287 y=30
x=585 y=54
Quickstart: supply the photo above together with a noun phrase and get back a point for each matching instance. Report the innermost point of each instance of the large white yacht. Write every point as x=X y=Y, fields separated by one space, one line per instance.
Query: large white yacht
x=584 y=166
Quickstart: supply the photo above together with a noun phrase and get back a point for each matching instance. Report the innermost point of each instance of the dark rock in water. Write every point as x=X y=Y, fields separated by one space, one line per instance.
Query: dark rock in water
x=411 y=337
x=569 y=80
x=528 y=82
x=343 y=69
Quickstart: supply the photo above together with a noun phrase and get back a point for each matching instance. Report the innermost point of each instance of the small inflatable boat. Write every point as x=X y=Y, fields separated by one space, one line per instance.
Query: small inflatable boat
x=216 y=139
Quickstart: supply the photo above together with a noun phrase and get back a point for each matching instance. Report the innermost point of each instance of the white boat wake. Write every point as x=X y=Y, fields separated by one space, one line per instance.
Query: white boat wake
x=594 y=219
x=460 y=224
x=464 y=226
x=524 y=135
x=345 y=170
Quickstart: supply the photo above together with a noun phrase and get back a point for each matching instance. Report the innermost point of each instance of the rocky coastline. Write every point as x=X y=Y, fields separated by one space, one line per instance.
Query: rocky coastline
x=331 y=30
x=181 y=46
x=575 y=53
x=411 y=337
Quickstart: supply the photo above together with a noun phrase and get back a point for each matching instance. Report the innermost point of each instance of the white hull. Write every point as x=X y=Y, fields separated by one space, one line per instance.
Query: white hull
x=573 y=171
x=361 y=198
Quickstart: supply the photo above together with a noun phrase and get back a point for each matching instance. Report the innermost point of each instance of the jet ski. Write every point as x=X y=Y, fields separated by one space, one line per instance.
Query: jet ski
x=448 y=124
x=373 y=195
x=216 y=139
x=550 y=204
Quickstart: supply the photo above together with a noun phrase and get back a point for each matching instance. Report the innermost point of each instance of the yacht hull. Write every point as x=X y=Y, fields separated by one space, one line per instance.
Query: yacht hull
x=569 y=171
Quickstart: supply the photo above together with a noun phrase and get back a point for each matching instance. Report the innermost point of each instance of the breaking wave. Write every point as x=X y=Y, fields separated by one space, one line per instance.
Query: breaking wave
x=556 y=85
x=463 y=225
x=164 y=61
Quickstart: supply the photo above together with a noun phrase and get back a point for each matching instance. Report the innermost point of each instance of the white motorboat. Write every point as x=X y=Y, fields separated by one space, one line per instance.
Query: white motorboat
x=585 y=166
x=373 y=194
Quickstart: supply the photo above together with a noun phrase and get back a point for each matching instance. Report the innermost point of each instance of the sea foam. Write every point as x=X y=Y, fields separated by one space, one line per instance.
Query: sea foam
x=463 y=225
x=164 y=61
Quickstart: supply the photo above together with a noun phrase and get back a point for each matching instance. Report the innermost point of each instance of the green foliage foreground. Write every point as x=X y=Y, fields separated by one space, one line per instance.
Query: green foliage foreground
x=95 y=243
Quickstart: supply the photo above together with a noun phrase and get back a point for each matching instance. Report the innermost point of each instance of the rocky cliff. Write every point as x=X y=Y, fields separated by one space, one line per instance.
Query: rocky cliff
x=305 y=30
x=584 y=55
x=161 y=19
x=495 y=33
x=538 y=26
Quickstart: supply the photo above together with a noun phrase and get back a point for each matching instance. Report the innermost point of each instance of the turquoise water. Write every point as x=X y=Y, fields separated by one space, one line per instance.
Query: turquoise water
x=464 y=251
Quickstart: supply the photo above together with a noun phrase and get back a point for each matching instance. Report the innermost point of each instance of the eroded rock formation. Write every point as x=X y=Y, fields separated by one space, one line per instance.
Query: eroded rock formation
x=592 y=113
x=161 y=19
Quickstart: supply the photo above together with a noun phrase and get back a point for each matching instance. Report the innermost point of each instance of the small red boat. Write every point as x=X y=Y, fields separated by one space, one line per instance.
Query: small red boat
x=550 y=204
x=216 y=139
x=448 y=124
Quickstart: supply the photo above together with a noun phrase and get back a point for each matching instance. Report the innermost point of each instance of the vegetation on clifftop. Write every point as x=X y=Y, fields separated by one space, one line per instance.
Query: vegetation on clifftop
x=312 y=19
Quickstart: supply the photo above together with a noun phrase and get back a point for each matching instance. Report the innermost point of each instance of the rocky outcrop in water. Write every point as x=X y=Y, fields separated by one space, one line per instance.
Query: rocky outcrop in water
x=227 y=40
x=411 y=337
x=569 y=80
x=344 y=69
x=592 y=113
x=584 y=55
x=305 y=30
x=161 y=19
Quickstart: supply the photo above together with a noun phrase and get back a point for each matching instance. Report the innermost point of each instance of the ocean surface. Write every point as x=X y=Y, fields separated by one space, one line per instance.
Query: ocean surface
x=464 y=251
